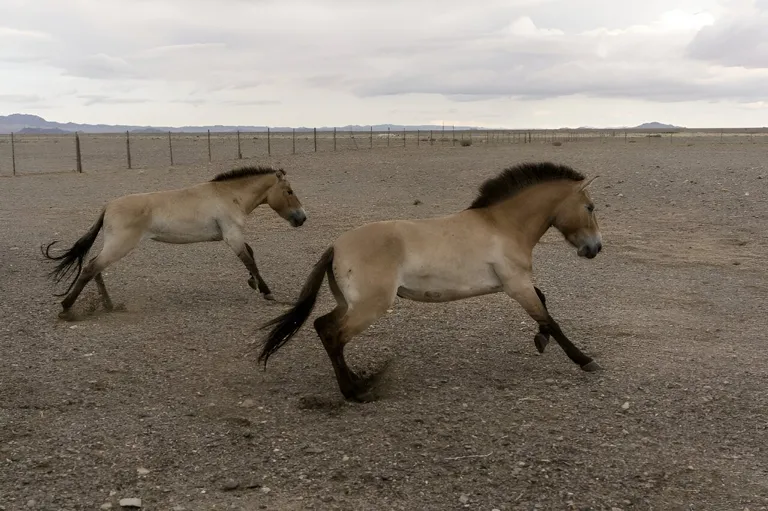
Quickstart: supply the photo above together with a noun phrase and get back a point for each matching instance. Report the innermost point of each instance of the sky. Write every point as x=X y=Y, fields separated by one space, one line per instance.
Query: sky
x=489 y=63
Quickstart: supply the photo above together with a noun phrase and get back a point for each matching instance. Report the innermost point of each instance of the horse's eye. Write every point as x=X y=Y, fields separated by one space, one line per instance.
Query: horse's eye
x=290 y=192
x=590 y=207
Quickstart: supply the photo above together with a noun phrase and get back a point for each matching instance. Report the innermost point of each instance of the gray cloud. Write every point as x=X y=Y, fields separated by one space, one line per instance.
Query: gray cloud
x=741 y=42
x=95 y=99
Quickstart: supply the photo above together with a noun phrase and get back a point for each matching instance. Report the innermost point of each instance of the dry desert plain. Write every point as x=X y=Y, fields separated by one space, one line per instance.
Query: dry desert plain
x=164 y=401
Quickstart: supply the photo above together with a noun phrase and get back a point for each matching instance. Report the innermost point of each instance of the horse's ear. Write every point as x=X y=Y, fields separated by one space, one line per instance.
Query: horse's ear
x=280 y=173
x=589 y=182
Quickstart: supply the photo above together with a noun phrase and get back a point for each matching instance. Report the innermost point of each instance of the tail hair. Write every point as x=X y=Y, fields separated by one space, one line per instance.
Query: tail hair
x=288 y=324
x=71 y=261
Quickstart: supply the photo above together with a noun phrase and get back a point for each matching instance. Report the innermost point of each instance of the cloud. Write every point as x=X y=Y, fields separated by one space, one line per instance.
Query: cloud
x=736 y=42
x=345 y=57
x=21 y=98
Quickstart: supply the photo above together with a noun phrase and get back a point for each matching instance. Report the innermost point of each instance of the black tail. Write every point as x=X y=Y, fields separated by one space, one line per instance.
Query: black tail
x=73 y=256
x=288 y=323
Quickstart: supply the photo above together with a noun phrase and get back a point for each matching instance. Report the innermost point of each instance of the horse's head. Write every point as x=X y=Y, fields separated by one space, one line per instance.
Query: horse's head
x=285 y=203
x=575 y=218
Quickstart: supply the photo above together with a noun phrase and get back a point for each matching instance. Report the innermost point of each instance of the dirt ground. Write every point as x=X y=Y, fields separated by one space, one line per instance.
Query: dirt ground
x=165 y=402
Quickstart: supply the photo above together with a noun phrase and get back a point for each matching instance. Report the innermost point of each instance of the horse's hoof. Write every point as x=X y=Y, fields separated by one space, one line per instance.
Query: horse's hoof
x=252 y=283
x=591 y=367
x=269 y=296
x=541 y=341
x=67 y=315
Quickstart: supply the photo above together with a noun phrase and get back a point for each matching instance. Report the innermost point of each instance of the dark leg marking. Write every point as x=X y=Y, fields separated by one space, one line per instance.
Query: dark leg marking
x=256 y=282
x=585 y=362
x=352 y=387
x=103 y=292
x=542 y=338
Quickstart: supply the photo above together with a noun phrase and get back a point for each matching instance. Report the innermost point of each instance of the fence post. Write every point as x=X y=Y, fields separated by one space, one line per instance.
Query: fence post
x=418 y=137
x=431 y=139
x=453 y=135
x=239 y=152
x=269 y=142
x=371 y=137
x=13 y=153
x=78 y=154
x=314 y=134
x=170 y=147
x=128 y=147
x=209 y=146
x=294 y=140
x=403 y=137
x=334 y=138
x=388 y=131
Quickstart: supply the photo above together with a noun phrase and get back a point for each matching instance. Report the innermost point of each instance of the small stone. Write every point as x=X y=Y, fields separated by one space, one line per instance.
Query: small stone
x=616 y=509
x=345 y=458
x=625 y=406
x=265 y=489
x=106 y=505
x=549 y=381
x=131 y=502
x=31 y=503
x=179 y=508
x=229 y=485
x=464 y=498
x=247 y=403
x=142 y=471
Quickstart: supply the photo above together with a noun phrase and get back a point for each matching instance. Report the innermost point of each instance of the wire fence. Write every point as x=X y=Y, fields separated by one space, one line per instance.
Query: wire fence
x=22 y=154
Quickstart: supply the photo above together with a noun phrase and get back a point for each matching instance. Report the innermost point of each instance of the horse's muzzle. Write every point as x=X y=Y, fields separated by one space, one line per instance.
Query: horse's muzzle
x=297 y=218
x=590 y=250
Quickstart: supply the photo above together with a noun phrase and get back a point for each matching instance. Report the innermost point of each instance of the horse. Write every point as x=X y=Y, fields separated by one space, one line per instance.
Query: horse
x=215 y=210
x=486 y=248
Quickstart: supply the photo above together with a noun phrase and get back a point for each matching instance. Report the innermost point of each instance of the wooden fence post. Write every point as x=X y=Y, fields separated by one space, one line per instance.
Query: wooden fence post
x=418 y=137
x=294 y=140
x=209 y=146
x=239 y=152
x=371 y=137
x=170 y=147
x=269 y=142
x=334 y=138
x=388 y=132
x=128 y=147
x=78 y=154
x=431 y=139
x=453 y=135
x=403 y=137
x=314 y=134
x=13 y=153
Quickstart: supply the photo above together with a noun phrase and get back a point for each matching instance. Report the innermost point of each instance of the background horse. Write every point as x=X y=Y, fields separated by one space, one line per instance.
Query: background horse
x=486 y=248
x=212 y=211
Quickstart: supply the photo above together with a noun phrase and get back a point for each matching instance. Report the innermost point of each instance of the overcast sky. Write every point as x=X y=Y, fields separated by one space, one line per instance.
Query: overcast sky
x=494 y=63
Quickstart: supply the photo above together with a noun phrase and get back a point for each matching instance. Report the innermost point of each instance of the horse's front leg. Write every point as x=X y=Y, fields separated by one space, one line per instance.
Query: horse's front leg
x=233 y=237
x=542 y=338
x=521 y=289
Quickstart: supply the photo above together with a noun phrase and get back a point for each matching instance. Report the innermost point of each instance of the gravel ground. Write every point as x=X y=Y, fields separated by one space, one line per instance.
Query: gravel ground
x=165 y=402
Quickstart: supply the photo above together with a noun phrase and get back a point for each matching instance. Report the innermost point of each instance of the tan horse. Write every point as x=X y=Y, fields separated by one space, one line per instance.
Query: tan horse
x=484 y=249
x=212 y=211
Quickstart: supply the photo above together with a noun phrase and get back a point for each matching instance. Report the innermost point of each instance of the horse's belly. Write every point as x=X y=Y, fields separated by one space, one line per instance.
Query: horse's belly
x=449 y=287
x=182 y=234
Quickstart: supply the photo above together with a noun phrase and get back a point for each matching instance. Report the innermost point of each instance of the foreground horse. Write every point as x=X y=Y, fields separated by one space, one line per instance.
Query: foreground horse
x=484 y=249
x=212 y=211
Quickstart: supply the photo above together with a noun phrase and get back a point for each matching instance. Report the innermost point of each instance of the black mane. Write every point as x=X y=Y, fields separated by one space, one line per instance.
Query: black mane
x=245 y=172
x=515 y=179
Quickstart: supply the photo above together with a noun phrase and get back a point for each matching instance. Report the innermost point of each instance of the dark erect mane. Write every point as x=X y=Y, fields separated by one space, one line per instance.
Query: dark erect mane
x=513 y=180
x=245 y=172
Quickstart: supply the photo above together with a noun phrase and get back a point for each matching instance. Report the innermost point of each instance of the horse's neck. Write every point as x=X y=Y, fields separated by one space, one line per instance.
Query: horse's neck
x=530 y=213
x=251 y=192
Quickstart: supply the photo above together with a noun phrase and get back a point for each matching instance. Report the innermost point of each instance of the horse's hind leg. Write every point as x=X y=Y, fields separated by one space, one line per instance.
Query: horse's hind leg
x=338 y=327
x=541 y=339
x=114 y=249
x=103 y=292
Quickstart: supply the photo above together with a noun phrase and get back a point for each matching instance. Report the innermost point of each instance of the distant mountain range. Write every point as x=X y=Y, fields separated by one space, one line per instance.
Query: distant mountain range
x=34 y=124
